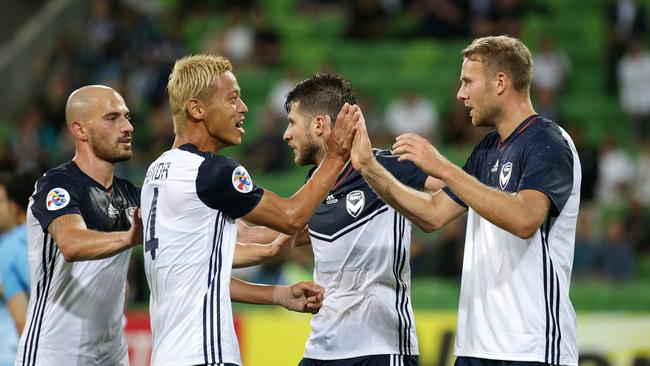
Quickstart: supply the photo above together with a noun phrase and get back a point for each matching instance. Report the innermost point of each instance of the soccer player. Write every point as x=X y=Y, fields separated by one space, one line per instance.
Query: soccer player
x=190 y=199
x=361 y=245
x=14 y=266
x=81 y=223
x=521 y=188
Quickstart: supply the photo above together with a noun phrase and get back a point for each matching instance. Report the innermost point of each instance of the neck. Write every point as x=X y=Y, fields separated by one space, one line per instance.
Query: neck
x=513 y=114
x=320 y=156
x=199 y=138
x=99 y=170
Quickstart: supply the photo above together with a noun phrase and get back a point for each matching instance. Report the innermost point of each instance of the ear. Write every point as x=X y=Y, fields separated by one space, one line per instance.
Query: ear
x=195 y=109
x=79 y=131
x=500 y=82
x=318 y=124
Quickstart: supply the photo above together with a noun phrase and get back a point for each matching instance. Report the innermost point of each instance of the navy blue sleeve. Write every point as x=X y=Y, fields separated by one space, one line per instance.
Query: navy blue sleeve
x=548 y=168
x=224 y=185
x=56 y=195
x=470 y=167
x=405 y=171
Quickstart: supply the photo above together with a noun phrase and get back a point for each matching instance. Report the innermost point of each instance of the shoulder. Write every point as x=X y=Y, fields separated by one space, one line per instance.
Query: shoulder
x=64 y=178
x=547 y=134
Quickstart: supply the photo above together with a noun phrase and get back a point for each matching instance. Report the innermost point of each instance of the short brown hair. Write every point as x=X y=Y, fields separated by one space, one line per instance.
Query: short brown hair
x=503 y=54
x=192 y=77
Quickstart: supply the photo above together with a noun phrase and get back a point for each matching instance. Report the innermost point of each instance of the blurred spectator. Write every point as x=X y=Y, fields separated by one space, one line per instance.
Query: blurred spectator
x=625 y=21
x=411 y=112
x=506 y=17
x=618 y=258
x=588 y=245
x=616 y=172
x=367 y=20
x=27 y=142
x=441 y=18
x=236 y=41
x=551 y=67
x=268 y=46
x=637 y=227
x=633 y=72
x=589 y=162
x=278 y=93
x=642 y=176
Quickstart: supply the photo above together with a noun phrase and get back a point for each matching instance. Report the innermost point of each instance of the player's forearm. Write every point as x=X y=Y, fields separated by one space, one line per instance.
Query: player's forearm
x=416 y=206
x=505 y=210
x=255 y=234
x=17 y=306
x=250 y=254
x=304 y=202
x=250 y=293
x=79 y=245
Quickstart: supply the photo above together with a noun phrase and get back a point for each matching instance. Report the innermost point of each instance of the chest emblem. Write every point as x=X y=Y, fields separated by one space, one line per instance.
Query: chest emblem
x=354 y=203
x=112 y=211
x=504 y=176
x=129 y=214
x=241 y=180
x=57 y=199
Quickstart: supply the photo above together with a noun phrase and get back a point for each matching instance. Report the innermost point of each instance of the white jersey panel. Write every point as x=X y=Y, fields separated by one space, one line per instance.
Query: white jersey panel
x=188 y=259
x=366 y=274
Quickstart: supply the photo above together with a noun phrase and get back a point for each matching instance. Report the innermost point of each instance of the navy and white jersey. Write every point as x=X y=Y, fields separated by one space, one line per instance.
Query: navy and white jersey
x=362 y=250
x=514 y=297
x=190 y=200
x=75 y=309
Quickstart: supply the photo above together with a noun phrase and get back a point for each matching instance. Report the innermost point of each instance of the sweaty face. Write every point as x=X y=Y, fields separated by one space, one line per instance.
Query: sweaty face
x=476 y=93
x=225 y=110
x=110 y=131
x=298 y=136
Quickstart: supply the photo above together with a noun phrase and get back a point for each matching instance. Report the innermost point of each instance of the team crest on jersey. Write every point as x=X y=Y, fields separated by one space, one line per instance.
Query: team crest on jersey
x=354 y=203
x=57 y=199
x=504 y=176
x=129 y=214
x=241 y=180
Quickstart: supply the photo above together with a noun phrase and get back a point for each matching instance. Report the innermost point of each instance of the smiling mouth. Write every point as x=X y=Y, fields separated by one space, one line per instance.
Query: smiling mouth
x=239 y=125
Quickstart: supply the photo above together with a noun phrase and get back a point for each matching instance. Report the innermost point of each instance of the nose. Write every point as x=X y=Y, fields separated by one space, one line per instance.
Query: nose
x=242 y=107
x=128 y=127
x=287 y=134
x=461 y=95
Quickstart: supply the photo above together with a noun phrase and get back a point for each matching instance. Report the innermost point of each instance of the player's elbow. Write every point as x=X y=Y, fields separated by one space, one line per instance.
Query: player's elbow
x=290 y=227
x=429 y=225
x=526 y=229
x=68 y=250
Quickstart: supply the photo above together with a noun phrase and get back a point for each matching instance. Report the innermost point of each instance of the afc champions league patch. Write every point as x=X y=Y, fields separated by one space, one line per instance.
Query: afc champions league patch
x=241 y=180
x=57 y=199
x=504 y=176
x=354 y=203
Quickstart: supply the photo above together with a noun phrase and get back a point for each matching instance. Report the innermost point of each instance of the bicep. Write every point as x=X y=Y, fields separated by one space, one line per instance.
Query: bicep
x=63 y=225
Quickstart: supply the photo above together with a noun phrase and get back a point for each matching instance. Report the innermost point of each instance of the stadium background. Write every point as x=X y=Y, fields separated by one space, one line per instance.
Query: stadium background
x=595 y=74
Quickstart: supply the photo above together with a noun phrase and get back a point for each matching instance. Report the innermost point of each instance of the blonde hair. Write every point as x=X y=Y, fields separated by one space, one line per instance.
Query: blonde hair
x=503 y=54
x=192 y=77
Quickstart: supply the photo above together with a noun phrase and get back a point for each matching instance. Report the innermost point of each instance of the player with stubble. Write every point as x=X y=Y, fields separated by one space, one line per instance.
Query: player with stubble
x=521 y=190
x=82 y=221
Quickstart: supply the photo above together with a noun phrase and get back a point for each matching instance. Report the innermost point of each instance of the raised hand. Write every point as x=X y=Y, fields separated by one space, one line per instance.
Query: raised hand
x=135 y=232
x=304 y=297
x=418 y=150
x=338 y=139
x=361 y=153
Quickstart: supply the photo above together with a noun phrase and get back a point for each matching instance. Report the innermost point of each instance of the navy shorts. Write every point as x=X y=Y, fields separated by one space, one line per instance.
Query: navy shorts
x=472 y=361
x=374 y=360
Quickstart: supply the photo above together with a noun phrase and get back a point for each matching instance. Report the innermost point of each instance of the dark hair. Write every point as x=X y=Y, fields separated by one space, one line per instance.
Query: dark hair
x=321 y=93
x=20 y=187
